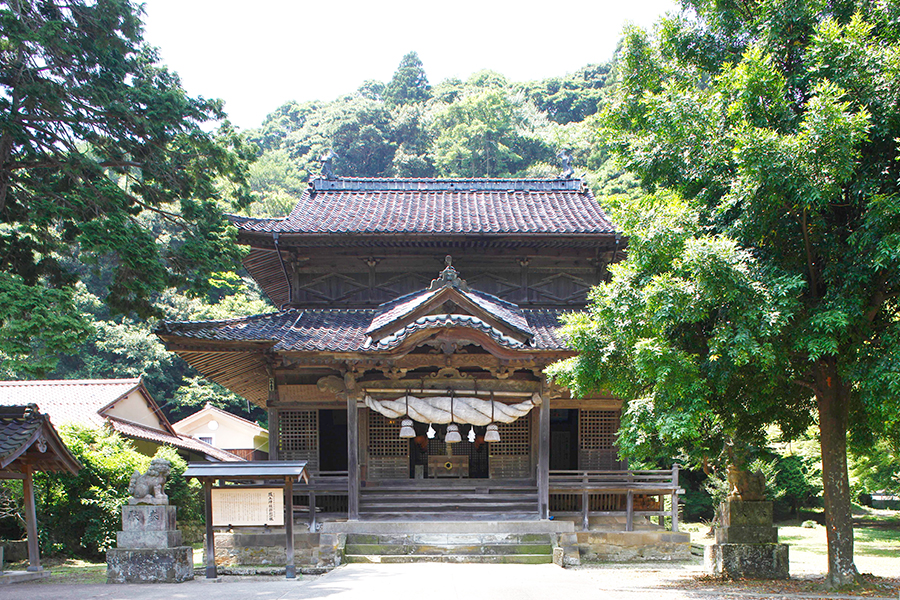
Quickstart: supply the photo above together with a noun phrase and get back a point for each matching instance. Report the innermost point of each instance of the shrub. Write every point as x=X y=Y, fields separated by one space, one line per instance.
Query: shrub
x=80 y=514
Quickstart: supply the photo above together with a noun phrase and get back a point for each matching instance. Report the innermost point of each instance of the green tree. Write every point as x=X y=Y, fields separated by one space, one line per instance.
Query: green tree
x=409 y=84
x=93 y=134
x=777 y=122
x=486 y=134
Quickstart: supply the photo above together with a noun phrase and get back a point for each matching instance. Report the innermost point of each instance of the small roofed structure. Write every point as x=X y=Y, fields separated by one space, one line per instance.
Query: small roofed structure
x=284 y=471
x=29 y=443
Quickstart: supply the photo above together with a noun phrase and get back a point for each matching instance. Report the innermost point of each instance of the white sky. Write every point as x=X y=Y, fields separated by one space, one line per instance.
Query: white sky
x=258 y=54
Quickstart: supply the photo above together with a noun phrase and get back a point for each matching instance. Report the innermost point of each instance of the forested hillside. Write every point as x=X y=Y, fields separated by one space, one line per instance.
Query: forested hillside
x=486 y=126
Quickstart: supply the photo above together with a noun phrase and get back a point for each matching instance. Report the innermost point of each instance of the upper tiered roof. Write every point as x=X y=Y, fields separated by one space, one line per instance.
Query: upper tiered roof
x=442 y=207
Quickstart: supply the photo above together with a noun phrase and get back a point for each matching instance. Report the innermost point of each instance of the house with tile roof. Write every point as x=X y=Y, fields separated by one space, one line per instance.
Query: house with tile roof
x=123 y=405
x=406 y=361
x=224 y=430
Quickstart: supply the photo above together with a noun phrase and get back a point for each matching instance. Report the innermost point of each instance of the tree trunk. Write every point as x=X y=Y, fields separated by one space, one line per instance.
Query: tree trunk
x=834 y=402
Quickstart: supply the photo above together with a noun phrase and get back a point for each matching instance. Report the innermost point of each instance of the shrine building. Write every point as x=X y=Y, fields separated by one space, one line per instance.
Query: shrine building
x=406 y=364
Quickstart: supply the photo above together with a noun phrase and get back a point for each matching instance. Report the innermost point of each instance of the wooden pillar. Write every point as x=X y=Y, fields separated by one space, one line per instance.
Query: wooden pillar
x=629 y=511
x=290 y=570
x=675 y=468
x=34 y=557
x=210 y=536
x=352 y=458
x=585 y=504
x=274 y=431
x=544 y=454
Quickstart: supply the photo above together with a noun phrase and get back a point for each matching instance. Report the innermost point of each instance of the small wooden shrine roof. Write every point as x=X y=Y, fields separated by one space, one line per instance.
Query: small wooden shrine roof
x=412 y=207
x=249 y=469
x=29 y=441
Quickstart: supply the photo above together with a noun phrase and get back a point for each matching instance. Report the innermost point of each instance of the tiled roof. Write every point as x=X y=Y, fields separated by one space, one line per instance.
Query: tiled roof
x=18 y=424
x=133 y=430
x=439 y=322
x=28 y=438
x=79 y=401
x=344 y=330
x=504 y=311
x=68 y=400
x=441 y=207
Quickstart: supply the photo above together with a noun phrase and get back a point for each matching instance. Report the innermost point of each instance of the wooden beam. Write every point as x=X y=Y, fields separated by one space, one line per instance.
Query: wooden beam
x=210 y=536
x=352 y=458
x=290 y=570
x=34 y=557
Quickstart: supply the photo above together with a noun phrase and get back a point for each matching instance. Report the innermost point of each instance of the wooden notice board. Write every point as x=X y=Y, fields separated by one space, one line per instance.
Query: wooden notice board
x=248 y=506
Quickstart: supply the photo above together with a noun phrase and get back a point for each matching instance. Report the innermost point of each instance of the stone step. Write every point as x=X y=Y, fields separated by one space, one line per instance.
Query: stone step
x=450 y=549
x=473 y=547
x=526 y=559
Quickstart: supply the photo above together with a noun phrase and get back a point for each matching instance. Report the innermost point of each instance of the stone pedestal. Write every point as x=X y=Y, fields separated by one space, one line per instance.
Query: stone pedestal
x=747 y=543
x=149 y=548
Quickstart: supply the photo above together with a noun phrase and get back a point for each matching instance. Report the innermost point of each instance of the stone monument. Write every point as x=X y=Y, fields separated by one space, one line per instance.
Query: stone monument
x=746 y=540
x=149 y=546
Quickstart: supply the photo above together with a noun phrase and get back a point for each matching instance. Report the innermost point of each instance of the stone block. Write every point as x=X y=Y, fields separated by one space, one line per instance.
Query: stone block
x=754 y=561
x=141 y=517
x=150 y=565
x=148 y=539
x=746 y=534
x=746 y=514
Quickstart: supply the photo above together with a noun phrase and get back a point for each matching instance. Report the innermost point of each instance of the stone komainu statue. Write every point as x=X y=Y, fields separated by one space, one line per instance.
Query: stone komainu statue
x=745 y=485
x=149 y=487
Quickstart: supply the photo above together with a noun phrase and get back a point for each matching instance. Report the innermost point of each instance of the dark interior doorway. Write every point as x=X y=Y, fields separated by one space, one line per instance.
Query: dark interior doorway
x=563 y=439
x=332 y=440
x=421 y=448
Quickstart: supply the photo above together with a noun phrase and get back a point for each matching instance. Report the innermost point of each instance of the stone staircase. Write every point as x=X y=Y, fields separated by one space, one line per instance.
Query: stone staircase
x=522 y=542
x=519 y=548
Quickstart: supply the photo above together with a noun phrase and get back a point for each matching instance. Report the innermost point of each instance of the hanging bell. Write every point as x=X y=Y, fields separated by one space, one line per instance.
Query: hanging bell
x=452 y=434
x=406 y=428
x=492 y=434
x=431 y=432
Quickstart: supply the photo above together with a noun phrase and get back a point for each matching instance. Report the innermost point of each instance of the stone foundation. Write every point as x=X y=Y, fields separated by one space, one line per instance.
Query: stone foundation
x=149 y=548
x=755 y=561
x=747 y=543
x=149 y=565
x=623 y=546
x=267 y=548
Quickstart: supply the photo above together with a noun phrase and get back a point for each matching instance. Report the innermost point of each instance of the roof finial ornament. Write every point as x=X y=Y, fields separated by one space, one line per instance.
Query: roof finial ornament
x=326 y=159
x=449 y=277
x=566 y=160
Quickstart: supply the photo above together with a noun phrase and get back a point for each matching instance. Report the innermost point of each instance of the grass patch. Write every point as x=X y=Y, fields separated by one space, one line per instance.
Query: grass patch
x=67 y=570
x=868 y=541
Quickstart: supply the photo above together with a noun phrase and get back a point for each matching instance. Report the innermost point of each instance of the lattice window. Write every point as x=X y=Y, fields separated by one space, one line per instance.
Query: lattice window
x=597 y=439
x=384 y=437
x=298 y=437
x=515 y=439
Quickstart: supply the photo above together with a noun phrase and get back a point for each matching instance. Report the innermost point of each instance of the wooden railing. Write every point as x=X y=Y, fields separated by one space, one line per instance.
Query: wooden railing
x=323 y=483
x=618 y=484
